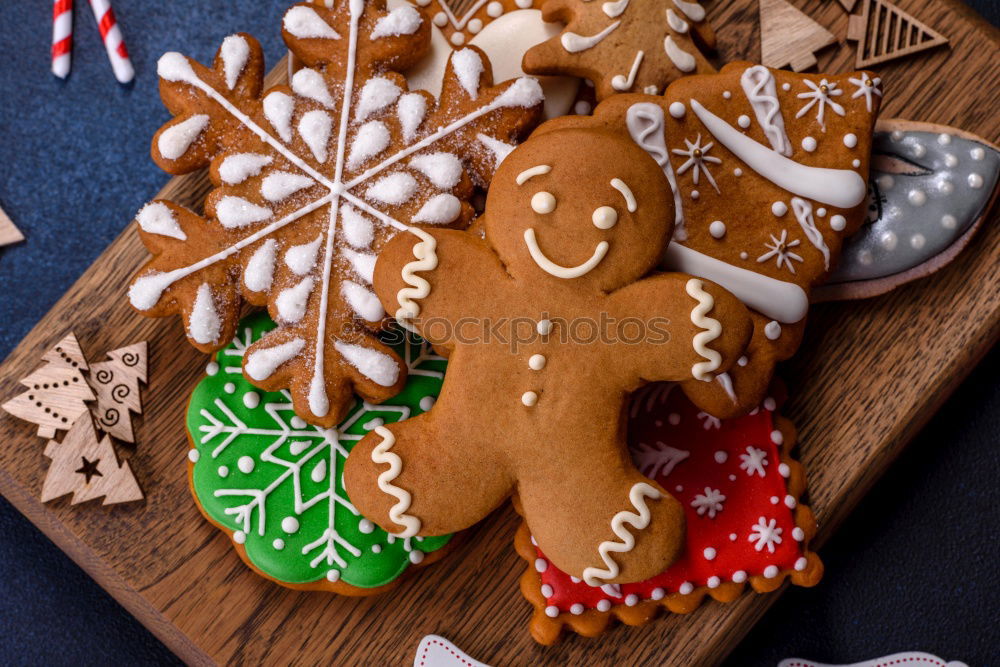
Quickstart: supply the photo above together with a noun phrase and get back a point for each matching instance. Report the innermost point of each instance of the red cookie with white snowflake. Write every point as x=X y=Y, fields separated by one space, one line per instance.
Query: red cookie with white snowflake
x=310 y=181
x=769 y=175
x=740 y=490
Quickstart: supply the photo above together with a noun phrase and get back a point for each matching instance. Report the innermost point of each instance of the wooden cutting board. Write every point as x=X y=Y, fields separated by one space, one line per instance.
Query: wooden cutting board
x=869 y=375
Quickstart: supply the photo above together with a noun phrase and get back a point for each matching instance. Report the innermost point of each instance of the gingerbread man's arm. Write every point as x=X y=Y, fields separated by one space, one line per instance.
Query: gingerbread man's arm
x=690 y=328
x=437 y=277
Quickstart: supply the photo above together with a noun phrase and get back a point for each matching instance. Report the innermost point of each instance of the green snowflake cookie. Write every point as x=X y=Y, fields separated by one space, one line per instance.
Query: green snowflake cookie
x=275 y=481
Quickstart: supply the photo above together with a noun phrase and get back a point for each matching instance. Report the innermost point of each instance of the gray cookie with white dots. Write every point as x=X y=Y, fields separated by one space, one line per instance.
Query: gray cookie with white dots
x=930 y=188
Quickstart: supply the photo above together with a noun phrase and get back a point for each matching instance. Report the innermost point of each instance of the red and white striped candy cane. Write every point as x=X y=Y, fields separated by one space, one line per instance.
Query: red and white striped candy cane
x=114 y=43
x=62 y=37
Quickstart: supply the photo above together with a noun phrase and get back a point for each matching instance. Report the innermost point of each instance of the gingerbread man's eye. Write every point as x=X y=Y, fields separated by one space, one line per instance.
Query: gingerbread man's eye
x=605 y=217
x=543 y=202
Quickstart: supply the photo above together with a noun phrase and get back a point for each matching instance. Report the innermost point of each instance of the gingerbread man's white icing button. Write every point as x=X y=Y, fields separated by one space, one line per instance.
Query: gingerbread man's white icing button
x=544 y=327
x=536 y=362
x=529 y=398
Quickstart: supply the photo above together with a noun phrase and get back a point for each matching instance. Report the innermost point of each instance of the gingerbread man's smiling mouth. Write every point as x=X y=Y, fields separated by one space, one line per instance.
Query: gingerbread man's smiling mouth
x=558 y=270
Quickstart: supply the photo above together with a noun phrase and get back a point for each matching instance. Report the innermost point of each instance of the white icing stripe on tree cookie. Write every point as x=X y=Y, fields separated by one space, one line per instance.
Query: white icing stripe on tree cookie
x=575 y=43
x=681 y=59
x=263 y=363
x=712 y=330
x=762 y=93
x=777 y=299
x=645 y=123
x=803 y=211
x=403 y=20
x=239 y=167
x=837 y=187
x=595 y=576
x=692 y=10
x=205 y=325
x=397 y=512
x=305 y=23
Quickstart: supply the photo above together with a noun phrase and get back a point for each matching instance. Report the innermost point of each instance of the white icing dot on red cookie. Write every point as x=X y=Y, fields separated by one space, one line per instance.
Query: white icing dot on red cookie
x=576 y=609
x=685 y=588
x=193 y=455
x=790 y=502
x=245 y=464
x=721 y=456
x=776 y=437
x=674 y=419
x=774 y=500
x=709 y=553
x=784 y=470
x=541 y=565
x=631 y=600
x=771 y=571
x=657 y=593
x=552 y=611
x=739 y=576
x=770 y=404
x=546 y=591
x=678 y=488
x=732 y=537
x=801 y=564
x=604 y=605
x=713 y=582
x=290 y=524
x=798 y=534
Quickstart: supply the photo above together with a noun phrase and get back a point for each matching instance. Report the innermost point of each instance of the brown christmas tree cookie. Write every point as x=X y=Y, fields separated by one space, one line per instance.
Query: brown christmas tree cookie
x=311 y=179
x=768 y=170
x=549 y=322
x=741 y=494
x=636 y=46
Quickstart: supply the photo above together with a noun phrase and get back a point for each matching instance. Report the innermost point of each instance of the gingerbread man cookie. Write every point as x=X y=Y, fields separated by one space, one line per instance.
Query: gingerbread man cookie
x=768 y=171
x=550 y=322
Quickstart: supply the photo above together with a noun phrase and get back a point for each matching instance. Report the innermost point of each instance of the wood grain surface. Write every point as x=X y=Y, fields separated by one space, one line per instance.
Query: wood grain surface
x=868 y=377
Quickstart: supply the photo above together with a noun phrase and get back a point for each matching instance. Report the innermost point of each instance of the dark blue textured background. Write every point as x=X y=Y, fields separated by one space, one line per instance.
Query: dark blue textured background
x=915 y=568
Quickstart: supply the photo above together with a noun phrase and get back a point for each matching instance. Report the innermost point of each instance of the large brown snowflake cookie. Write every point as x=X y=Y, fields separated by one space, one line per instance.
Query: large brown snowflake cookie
x=311 y=180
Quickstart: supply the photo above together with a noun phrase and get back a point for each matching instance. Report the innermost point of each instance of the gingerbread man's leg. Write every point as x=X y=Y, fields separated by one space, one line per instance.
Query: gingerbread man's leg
x=603 y=523
x=400 y=477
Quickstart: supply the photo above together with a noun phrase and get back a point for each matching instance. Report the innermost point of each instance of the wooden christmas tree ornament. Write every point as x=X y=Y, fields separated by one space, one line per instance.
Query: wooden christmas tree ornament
x=56 y=391
x=789 y=37
x=88 y=468
x=9 y=233
x=885 y=32
x=116 y=383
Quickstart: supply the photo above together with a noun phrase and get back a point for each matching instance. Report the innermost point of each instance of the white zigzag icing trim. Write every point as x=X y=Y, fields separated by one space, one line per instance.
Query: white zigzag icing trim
x=637 y=495
x=712 y=330
x=397 y=512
